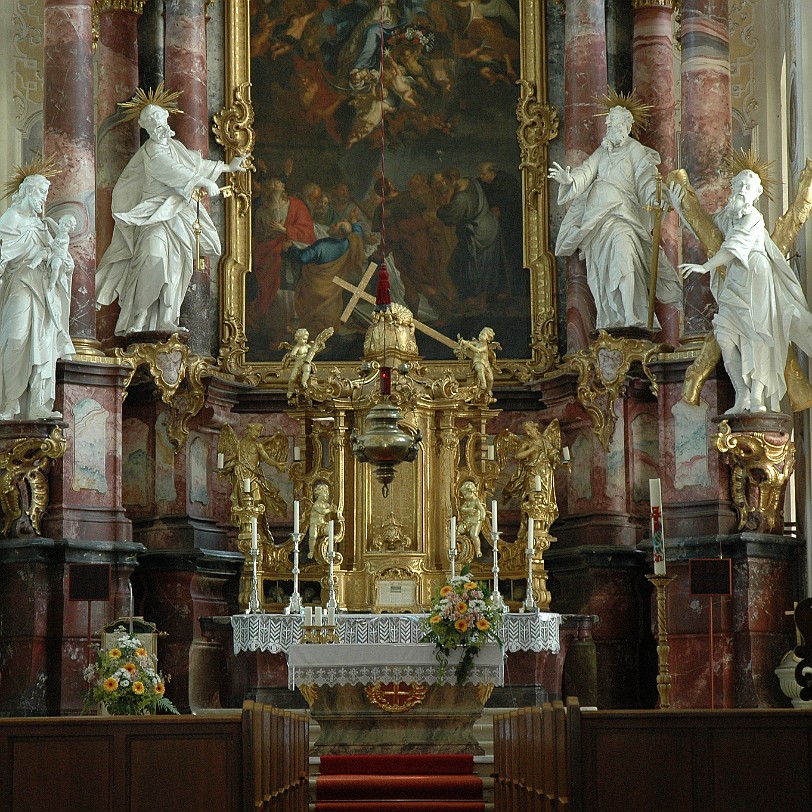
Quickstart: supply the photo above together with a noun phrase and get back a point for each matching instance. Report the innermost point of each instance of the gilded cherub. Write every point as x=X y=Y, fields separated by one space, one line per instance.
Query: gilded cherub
x=472 y=515
x=481 y=352
x=299 y=357
x=321 y=513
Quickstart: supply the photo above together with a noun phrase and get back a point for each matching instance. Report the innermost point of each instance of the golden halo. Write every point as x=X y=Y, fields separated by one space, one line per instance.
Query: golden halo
x=36 y=166
x=641 y=112
x=738 y=160
x=160 y=97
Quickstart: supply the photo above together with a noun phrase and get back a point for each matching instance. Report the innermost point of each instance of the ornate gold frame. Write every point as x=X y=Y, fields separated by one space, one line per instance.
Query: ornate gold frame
x=537 y=126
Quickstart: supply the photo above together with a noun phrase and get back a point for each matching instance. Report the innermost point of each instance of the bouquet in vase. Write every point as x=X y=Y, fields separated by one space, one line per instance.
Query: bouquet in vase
x=125 y=681
x=462 y=616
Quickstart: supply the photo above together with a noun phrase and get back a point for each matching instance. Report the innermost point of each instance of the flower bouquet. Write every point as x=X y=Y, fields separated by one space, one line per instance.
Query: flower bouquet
x=463 y=616
x=125 y=680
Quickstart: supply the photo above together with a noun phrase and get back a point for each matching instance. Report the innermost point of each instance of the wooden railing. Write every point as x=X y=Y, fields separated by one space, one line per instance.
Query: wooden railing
x=531 y=759
x=280 y=764
x=256 y=760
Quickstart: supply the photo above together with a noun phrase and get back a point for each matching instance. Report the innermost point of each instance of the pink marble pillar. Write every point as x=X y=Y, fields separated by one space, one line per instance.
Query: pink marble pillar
x=70 y=136
x=585 y=79
x=654 y=84
x=117 y=61
x=706 y=133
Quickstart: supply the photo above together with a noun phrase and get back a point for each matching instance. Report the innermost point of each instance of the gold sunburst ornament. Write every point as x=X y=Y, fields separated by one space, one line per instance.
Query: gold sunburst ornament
x=738 y=160
x=160 y=97
x=36 y=166
x=641 y=112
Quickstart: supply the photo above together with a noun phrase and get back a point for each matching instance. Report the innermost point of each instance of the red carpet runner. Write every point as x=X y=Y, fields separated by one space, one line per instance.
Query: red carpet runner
x=395 y=783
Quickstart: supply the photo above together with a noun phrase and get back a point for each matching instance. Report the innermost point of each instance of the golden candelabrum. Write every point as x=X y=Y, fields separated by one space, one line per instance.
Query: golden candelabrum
x=248 y=513
x=663 y=674
x=319 y=634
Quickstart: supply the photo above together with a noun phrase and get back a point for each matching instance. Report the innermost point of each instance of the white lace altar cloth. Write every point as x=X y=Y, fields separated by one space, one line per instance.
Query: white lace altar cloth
x=521 y=631
x=365 y=664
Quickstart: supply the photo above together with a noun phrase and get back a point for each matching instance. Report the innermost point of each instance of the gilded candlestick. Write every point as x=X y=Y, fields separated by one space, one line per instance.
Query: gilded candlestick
x=663 y=674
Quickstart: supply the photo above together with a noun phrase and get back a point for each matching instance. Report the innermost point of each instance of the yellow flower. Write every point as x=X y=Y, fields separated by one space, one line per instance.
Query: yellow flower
x=461 y=625
x=446 y=590
x=160 y=688
x=434 y=619
x=140 y=652
x=470 y=585
x=131 y=667
x=138 y=688
x=483 y=625
x=110 y=684
x=462 y=607
x=115 y=652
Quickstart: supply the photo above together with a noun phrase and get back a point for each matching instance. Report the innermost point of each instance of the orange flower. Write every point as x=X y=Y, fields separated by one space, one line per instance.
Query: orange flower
x=160 y=688
x=446 y=590
x=115 y=652
x=138 y=688
x=434 y=619
x=141 y=652
x=461 y=625
x=131 y=668
x=462 y=607
x=483 y=625
x=470 y=585
x=110 y=684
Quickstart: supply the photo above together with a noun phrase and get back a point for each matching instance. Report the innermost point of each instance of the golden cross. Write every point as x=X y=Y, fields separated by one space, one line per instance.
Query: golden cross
x=395 y=695
x=359 y=292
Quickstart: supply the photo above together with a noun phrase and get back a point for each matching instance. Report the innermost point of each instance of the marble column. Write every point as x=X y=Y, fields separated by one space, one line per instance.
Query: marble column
x=70 y=136
x=186 y=70
x=654 y=84
x=117 y=64
x=706 y=134
x=585 y=79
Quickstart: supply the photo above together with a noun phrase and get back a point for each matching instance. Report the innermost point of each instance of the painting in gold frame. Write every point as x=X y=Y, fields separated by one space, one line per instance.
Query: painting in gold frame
x=301 y=90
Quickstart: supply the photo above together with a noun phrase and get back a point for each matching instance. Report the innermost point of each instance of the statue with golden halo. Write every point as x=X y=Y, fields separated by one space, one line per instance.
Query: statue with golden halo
x=608 y=221
x=762 y=308
x=35 y=282
x=149 y=263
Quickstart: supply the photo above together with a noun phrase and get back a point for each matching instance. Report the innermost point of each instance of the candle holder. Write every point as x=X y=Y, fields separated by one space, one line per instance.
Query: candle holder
x=452 y=557
x=295 y=606
x=320 y=634
x=254 y=606
x=332 y=603
x=530 y=604
x=663 y=675
x=496 y=597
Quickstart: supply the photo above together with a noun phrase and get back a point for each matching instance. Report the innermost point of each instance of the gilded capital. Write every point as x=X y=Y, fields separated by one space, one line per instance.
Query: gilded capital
x=654 y=4
x=134 y=6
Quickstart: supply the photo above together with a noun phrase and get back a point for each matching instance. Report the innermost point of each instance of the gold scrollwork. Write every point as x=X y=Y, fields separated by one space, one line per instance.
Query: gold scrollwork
x=24 y=488
x=232 y=129
x=396 y=697
x=233 y=348
x=760 y=469
x=602 y=371
x=538 y=125
x=310 y=693
x=178 y=376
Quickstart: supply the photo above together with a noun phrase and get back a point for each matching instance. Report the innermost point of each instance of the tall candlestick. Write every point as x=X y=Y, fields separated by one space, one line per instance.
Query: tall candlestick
x=253 y=532
x=530 y=542
x=330 y=537
x=297 y=453
x=296 y=516
x=246 y=485
x=657 y=534
x=129 y=583
x=494 y=525
x=453 y=543
x=537 y=482
x=221 y=461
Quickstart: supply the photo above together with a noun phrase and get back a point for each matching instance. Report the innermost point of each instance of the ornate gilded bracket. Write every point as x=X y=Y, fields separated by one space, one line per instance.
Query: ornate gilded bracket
x=177 y=373
x=396 y=697
x=602 y=370
x=232 y=129
x=761 y=463
x=538 y=125
x=543 y=345
x=23 y=482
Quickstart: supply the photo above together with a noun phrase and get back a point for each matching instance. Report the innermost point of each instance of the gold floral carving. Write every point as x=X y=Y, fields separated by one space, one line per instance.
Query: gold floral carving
x=538 y=125
x=24 y=488
x=396 y=697
x=310 y=693
x=602 y=370
x=233 y=348
x=232 y=129
x=177 y=374
x=483 y=692
x=760 y=469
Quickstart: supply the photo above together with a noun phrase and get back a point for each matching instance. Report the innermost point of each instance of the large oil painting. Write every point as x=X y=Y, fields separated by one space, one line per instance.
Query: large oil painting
x=386 y=131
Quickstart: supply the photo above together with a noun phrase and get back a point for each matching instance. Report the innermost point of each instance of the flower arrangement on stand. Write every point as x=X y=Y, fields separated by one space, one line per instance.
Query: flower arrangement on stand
x=125 y=680
x=462 y=616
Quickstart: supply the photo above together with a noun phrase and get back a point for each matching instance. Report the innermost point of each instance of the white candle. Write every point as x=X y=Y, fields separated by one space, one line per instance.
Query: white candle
x=565 y=452
x=330 y=537
x=253 y=532
x=530 y=544
x=493 y=516
x=297 y=453
x=453 y=543
x=221 y=460
x=657 y=534
x=331 y=616
x=308 y=617
x=537 y=482
x=129 y=583
x=296 y=517
x=319 y=616
x=246 y=485
x=491 y=452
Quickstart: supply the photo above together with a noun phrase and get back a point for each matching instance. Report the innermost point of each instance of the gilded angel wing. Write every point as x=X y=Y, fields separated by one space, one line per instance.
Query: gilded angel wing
x=228 y=445
x=276 y=447
x=552 y=434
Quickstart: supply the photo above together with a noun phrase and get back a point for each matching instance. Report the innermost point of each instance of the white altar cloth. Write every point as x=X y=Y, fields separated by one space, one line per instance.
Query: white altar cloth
x=365 y=664
x=520 y=631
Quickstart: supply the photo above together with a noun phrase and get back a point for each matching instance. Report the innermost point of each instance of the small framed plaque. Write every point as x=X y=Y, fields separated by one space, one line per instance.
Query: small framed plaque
x=396 y=594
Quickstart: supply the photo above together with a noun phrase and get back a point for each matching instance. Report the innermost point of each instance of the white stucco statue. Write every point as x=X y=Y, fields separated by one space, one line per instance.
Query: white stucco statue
x=35 y=281
x=761 y=305
x=607 y=221
x=149 y=262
